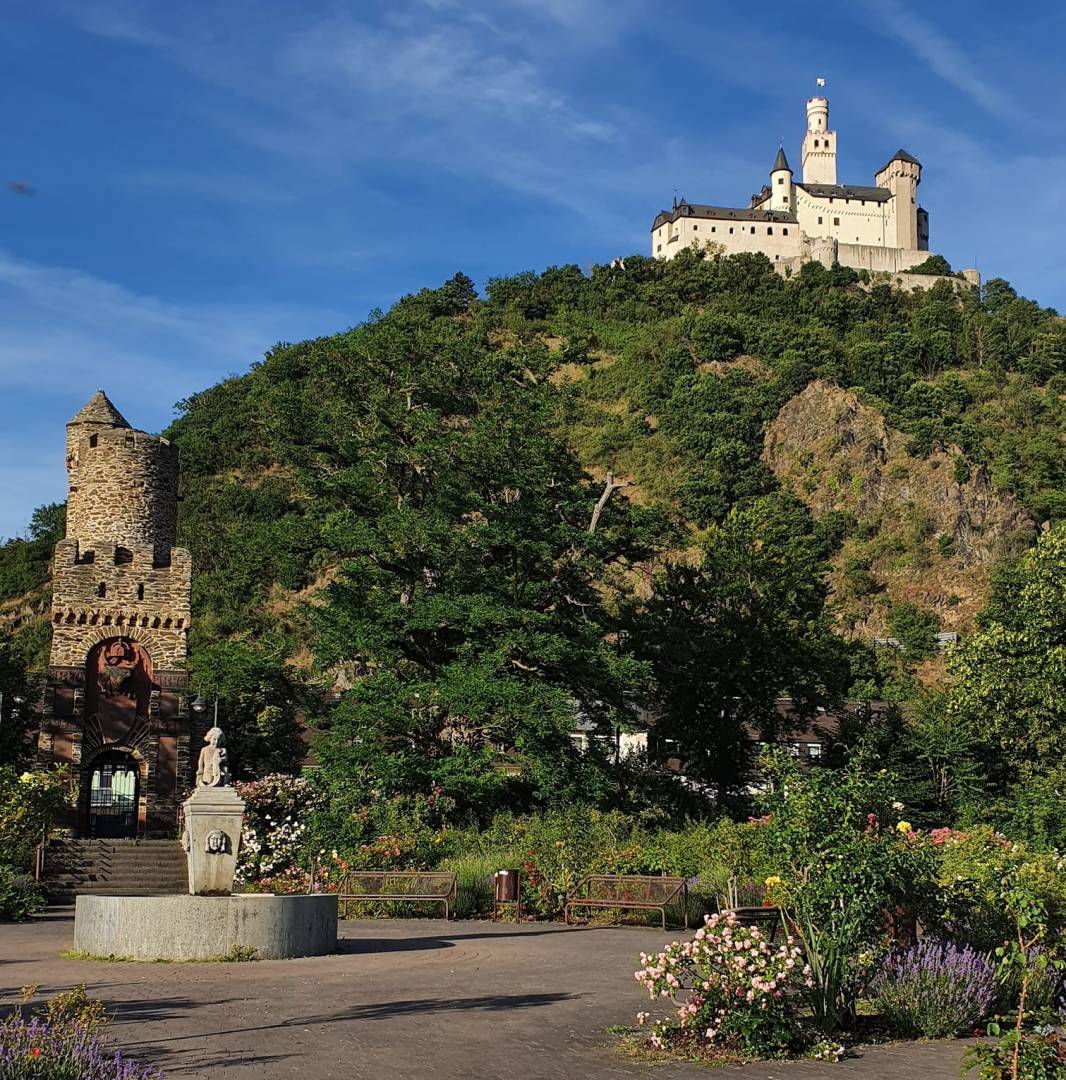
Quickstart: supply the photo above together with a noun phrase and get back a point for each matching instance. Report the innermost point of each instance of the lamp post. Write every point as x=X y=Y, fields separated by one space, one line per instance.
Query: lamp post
x=200 y=705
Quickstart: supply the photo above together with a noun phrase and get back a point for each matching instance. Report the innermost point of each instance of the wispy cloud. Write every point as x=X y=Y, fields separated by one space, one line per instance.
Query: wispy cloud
x=67 y=332
x=940 y=54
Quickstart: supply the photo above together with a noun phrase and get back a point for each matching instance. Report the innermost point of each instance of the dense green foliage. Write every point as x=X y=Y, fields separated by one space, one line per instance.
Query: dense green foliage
x=406 y=513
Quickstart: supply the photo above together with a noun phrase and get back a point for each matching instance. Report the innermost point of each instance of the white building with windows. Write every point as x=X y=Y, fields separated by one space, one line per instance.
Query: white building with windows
x=792 y=221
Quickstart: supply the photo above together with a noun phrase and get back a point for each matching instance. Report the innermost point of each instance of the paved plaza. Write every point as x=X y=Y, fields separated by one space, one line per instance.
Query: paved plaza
x=404 y=1000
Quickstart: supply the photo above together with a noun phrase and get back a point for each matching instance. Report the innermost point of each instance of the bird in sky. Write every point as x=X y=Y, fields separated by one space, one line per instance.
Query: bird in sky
x=20 y=187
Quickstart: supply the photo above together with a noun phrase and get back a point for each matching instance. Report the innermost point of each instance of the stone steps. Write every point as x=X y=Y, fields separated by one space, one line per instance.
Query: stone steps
x=114 y=867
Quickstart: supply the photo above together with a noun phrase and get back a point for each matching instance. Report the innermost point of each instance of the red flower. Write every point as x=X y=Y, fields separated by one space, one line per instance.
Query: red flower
x=35 y=1052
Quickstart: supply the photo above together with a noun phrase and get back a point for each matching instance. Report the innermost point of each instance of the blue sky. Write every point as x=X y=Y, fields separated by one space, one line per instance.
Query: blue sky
x=209 y=178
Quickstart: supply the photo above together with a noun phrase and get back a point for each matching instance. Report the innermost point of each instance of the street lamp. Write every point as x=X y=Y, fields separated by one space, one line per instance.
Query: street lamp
x=200 y=705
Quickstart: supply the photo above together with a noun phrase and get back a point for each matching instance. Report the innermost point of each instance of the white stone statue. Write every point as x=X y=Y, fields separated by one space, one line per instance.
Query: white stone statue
x=213 y=767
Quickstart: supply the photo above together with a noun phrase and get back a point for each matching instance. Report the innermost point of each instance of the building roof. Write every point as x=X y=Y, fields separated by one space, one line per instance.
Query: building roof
x=722 y=213
x=99 y=410
x=780 y=162
x=900 y=155
x=846 y=191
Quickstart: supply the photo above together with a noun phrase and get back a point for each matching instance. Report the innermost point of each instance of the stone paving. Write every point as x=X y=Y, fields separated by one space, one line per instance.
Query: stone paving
x=405 y=1000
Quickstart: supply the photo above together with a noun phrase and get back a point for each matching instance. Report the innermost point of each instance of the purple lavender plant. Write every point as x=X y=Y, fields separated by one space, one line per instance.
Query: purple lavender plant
x=934 y=989
x=32 y=1050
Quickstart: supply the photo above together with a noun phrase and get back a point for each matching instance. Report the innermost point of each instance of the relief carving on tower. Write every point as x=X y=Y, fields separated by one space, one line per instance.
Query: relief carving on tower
x=118 y=685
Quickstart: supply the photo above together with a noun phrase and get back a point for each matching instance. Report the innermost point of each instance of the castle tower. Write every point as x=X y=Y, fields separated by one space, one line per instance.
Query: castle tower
x=781 y=183
x=819 y=145
x=113 y=708
x=901 y=176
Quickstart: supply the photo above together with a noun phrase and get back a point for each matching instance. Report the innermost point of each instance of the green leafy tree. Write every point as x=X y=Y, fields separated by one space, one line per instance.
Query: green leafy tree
x=730 y=633
x=472 y=611
x=1009 y=679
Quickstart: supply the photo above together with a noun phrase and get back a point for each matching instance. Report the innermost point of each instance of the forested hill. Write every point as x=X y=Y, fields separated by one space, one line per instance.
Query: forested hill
x=417 y=494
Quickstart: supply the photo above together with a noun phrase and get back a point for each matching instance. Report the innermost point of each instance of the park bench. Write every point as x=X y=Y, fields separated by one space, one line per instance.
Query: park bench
x=403 y=886
x=633 y=891
x=767 y=919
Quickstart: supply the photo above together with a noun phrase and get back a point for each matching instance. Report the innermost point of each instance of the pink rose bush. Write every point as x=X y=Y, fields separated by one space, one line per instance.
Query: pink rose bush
x=731 y=988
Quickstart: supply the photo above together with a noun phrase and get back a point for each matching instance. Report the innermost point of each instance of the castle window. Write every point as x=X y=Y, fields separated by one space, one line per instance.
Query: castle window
x=713 y=229
x=129 y=438
x=730 y=230
x=819 y=221
x=101 y=589
x=93 y=439
x=140 y=591
x=836 y=221
x=695 y=228
x=769 y=230
x=785 y=232
x=780 y=179
x=123 y=556
x=659 y=247
x=87 y=557
x=753 y=230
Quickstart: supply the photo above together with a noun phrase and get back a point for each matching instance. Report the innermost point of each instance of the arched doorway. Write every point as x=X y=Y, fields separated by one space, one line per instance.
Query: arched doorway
x=114 y=794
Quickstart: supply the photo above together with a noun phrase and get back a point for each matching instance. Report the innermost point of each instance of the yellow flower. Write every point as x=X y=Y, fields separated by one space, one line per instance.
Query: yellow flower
x=26 y=778
x=773 y=879
x=904 y=826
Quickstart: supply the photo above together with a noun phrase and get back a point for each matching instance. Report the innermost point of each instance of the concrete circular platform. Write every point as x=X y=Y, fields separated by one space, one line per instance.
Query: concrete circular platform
x=205 y=927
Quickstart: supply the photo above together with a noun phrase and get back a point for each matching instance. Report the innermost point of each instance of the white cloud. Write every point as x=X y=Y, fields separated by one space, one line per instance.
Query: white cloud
x=941 y=55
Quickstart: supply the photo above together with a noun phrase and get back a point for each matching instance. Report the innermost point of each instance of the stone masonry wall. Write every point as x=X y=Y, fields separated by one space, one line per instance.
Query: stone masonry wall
x=123 y=488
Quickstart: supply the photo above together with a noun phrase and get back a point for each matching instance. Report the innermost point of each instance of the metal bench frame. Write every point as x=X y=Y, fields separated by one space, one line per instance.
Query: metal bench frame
x=676 y=886
x=769 y=920
x=346 y=895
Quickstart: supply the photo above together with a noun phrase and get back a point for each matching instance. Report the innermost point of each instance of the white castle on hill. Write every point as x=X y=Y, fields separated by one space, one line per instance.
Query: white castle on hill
x=879 y=228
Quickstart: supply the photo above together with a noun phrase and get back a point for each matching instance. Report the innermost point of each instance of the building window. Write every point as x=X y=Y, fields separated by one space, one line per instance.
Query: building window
x=769 y=230
x=780 y=179
x=814 y=750
x=695 y=228
x=658 y=247
x=784 y=232
x=101 y=589
x=93 y=440
x=836 y=221
x=713 y=229
x=819 y=221
x=140 y=591
x=730 y=230
x=753 y=230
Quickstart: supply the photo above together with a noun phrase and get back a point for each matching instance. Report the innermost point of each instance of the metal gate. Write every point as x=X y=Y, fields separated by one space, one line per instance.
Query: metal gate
x=113 y=796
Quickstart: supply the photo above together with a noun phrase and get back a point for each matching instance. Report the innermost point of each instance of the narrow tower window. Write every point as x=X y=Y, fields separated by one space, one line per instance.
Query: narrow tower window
x=93 y=440
x=140 y=591
x=101 y=589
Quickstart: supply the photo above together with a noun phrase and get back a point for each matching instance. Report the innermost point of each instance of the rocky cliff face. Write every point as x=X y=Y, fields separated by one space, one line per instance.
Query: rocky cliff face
x=927 y=531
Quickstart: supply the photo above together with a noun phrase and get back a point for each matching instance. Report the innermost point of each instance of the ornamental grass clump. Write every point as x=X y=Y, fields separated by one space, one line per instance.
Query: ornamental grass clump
x=732 y=989
x=934 y=989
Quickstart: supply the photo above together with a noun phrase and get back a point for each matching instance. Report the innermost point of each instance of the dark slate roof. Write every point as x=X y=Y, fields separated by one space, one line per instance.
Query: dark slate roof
x=846 y=191
x=901 y=155
x=722 y=213
x=780 y=162
x=99 y=410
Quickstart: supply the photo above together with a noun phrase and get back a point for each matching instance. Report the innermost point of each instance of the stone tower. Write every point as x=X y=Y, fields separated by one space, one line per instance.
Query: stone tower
x=781 y=183
x=113 y=705
x=901 y=176
x=819 y=145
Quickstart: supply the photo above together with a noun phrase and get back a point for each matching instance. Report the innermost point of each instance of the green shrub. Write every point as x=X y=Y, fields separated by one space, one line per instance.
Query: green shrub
x=20 y=896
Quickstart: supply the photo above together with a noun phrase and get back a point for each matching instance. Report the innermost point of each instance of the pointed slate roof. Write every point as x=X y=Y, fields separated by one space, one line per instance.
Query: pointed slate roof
x=99 y=410
x=780 y=162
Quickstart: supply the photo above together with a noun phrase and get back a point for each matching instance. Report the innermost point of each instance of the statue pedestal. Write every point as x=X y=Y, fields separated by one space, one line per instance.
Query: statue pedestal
x=213 y=817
